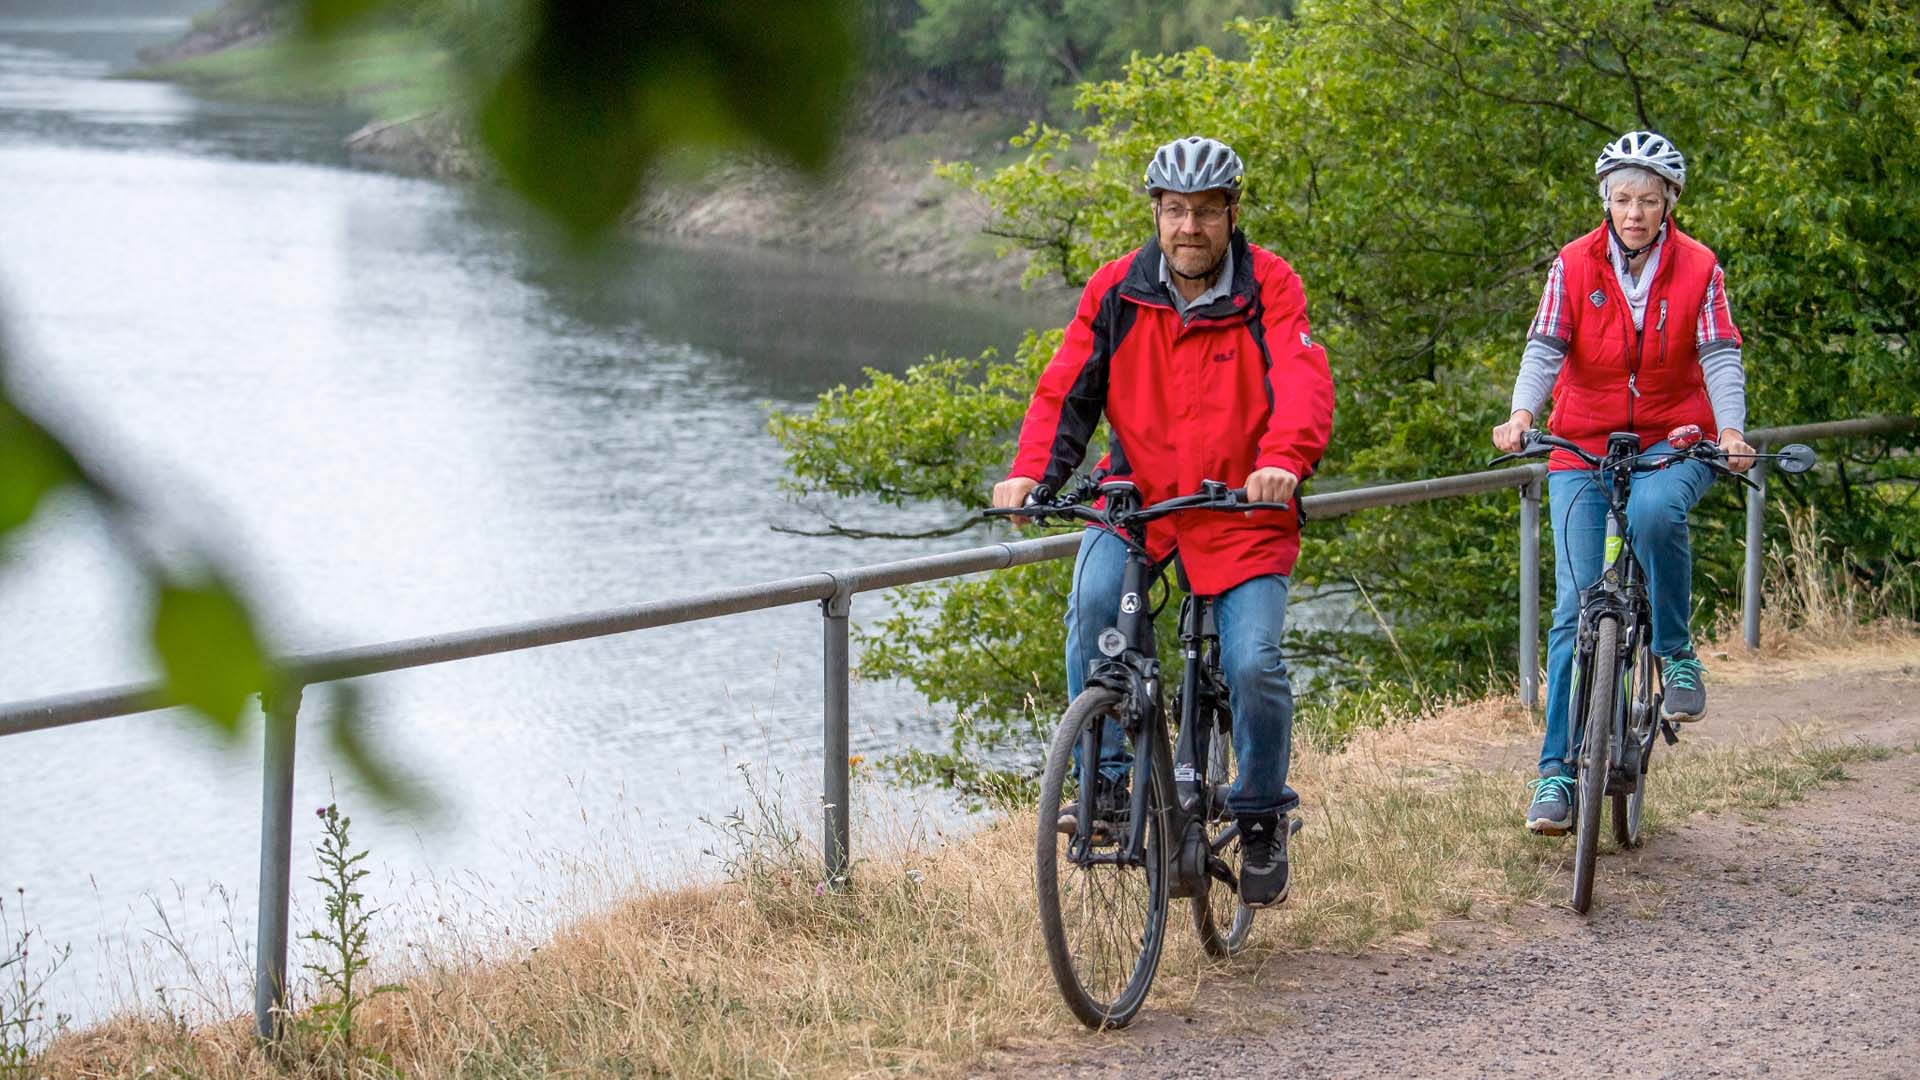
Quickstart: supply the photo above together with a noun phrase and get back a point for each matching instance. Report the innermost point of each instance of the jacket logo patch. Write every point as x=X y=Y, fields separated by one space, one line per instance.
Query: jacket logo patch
x=1222 y=357
x=1599 y=298
x=1306 y=341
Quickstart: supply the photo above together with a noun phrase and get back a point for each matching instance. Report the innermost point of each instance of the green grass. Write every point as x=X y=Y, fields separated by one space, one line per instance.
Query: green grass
x=387 y=74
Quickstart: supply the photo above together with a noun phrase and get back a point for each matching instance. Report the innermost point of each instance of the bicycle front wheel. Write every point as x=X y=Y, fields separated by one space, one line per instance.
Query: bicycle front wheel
x=1219 y=916
x=1643 y=728
x=1603 y=689
x=1102 y=915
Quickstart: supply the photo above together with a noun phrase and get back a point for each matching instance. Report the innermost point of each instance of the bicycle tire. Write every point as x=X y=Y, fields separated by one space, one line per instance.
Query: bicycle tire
x=1221 y=919
x=1603 y=685
x=1103 y=968
x=1644 y=728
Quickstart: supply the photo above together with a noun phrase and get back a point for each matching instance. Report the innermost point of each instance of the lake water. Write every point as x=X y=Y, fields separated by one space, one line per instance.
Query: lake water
x=397 y=416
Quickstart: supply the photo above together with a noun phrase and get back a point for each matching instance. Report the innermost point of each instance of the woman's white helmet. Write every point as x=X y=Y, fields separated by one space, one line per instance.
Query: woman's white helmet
x=1195 y=163
x=1645 y=150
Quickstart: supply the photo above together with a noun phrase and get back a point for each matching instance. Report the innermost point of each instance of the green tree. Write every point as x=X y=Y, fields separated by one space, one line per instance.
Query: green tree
x=1420 y=162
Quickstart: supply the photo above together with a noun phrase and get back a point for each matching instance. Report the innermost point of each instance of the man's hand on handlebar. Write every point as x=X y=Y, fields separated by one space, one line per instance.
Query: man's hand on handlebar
x=1271 y=485
x=1507 y=437
x=1012 y=492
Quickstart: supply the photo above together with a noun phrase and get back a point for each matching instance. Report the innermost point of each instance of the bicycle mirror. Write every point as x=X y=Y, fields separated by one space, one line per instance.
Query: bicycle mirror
x=1795 y=458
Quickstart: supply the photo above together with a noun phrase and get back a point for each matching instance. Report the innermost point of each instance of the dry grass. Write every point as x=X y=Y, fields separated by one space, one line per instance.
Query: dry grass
x=931 y=958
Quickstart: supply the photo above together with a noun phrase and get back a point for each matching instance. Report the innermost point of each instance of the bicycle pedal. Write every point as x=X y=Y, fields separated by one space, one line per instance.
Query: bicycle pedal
x=1667 y=732
x=1295 y=823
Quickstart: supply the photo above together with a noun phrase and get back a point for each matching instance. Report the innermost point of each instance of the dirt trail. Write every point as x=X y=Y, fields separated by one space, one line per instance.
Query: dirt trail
x=1732 y=946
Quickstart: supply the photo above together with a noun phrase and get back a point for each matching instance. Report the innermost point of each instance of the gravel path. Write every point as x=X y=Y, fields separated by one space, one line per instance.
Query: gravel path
x=1733 y=946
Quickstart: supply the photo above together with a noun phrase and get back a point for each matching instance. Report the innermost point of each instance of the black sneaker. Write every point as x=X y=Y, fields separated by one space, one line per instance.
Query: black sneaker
x=1683 y=690
x=1110 y=805
x=1263 y=860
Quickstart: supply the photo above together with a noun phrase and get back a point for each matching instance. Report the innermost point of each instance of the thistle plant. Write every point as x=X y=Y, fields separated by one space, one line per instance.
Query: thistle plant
x=341 y=971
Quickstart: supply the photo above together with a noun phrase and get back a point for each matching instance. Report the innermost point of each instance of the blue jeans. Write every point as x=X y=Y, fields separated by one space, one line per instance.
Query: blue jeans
x=1657 y=526
x=1250 y=617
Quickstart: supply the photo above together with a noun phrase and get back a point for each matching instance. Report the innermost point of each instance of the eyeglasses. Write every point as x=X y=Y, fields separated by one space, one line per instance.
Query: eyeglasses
x=1204 y=215
x=1649 y=203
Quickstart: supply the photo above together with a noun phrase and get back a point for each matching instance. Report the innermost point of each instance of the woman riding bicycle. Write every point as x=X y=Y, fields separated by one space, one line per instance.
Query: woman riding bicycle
x=1633 y=334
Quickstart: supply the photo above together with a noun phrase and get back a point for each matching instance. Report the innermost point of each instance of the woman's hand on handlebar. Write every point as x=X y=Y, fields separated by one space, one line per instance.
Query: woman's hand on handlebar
x=1011 y=493
x=1509 y=437
x=1738 y=455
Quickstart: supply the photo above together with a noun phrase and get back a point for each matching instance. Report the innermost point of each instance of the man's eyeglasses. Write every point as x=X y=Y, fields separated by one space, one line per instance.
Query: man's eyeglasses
x=1205 y=215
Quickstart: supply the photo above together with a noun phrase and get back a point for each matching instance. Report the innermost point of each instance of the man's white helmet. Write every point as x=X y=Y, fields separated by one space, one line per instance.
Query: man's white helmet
x=1647 y=150
x=1195 y=163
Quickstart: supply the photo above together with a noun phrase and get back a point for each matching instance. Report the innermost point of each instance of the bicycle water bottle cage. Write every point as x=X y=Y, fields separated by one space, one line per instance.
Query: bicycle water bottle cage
x=1623 y=444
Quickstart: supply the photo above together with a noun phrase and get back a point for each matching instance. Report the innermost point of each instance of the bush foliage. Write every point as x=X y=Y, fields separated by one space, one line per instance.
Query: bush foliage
x=1420 y=162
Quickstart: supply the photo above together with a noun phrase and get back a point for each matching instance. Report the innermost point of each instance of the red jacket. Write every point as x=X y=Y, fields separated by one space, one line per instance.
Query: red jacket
x=1616 y=379
x=1242 y=386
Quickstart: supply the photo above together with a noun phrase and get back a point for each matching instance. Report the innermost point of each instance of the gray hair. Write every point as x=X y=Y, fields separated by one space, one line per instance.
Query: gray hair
x=1636 y=174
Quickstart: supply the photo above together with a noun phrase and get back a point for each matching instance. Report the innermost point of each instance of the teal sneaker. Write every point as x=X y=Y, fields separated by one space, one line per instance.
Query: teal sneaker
x=1683 y=691
x=1552 y=811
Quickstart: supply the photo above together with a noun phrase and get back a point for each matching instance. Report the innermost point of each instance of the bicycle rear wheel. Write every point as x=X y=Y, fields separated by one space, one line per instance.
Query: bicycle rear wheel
x=1103 y=919
x=1603 y=689
x=1643 y=728
x=1218 y=915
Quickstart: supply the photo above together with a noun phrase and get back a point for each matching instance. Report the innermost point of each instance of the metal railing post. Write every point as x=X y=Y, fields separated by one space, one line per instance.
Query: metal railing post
x=836 y=840
x=1530 y=593
x=282 y=710
x=1756 y=543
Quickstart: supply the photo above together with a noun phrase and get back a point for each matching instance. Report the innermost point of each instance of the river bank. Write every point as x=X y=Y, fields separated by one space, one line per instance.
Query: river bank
x=878 y=206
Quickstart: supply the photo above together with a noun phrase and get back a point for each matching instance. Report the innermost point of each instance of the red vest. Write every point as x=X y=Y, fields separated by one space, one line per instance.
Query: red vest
x=1616 y=379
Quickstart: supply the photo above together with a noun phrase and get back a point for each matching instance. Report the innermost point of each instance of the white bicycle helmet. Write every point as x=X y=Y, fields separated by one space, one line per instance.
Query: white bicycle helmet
x=1647 y=150
x=1195 y=163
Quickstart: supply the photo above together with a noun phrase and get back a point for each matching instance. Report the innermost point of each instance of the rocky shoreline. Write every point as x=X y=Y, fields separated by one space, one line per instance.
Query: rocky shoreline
x=879 y=207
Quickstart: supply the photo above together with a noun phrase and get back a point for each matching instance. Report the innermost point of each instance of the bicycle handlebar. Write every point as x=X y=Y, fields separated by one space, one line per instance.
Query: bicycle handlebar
x=1224 y=499
x=1793 y=458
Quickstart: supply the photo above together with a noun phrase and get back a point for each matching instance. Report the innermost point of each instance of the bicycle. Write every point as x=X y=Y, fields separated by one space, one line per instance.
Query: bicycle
x=1133 y=847
x=1619 y=714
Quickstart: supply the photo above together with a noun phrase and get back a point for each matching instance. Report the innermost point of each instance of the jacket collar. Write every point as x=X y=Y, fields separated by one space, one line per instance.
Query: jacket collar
x=1142 y=281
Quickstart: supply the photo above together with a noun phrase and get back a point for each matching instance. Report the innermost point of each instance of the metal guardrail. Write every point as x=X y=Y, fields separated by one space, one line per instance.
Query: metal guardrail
x=834 y=591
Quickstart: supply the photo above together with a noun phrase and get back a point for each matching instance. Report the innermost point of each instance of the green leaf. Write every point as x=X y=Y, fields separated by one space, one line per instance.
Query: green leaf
x=209 y=653
x=320 y=18
x=605 y=87
x=32 y=465
x=346 y=731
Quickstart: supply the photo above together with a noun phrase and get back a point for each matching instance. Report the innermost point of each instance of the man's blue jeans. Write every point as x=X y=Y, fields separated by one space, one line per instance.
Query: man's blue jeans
x=1250 y=617
x=1657 y=526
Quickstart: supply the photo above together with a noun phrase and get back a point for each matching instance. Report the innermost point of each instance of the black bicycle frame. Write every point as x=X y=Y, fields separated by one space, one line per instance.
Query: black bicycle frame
x=1620 y=592
x=1134 y=671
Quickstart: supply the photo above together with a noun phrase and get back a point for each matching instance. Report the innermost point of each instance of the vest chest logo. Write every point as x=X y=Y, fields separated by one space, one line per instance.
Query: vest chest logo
x=1306 y=341
x=1598 y=297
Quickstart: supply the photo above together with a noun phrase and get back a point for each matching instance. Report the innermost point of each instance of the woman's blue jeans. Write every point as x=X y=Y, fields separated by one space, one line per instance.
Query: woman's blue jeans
x=1251 y=617
x=1657 y=510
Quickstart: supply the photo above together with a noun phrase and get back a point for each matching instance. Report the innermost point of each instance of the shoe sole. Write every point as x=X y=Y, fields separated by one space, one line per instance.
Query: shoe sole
x=1548 y=828
x=1275 y=902
x=1682 y=718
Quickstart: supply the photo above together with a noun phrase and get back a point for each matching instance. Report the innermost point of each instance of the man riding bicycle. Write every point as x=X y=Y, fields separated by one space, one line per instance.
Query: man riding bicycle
x=1196 y=348
x=1633 y=334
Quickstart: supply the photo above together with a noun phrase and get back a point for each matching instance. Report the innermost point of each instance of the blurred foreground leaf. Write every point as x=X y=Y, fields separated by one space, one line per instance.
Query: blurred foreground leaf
x=32 y=462
x=605 y=87
x=209 y=651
